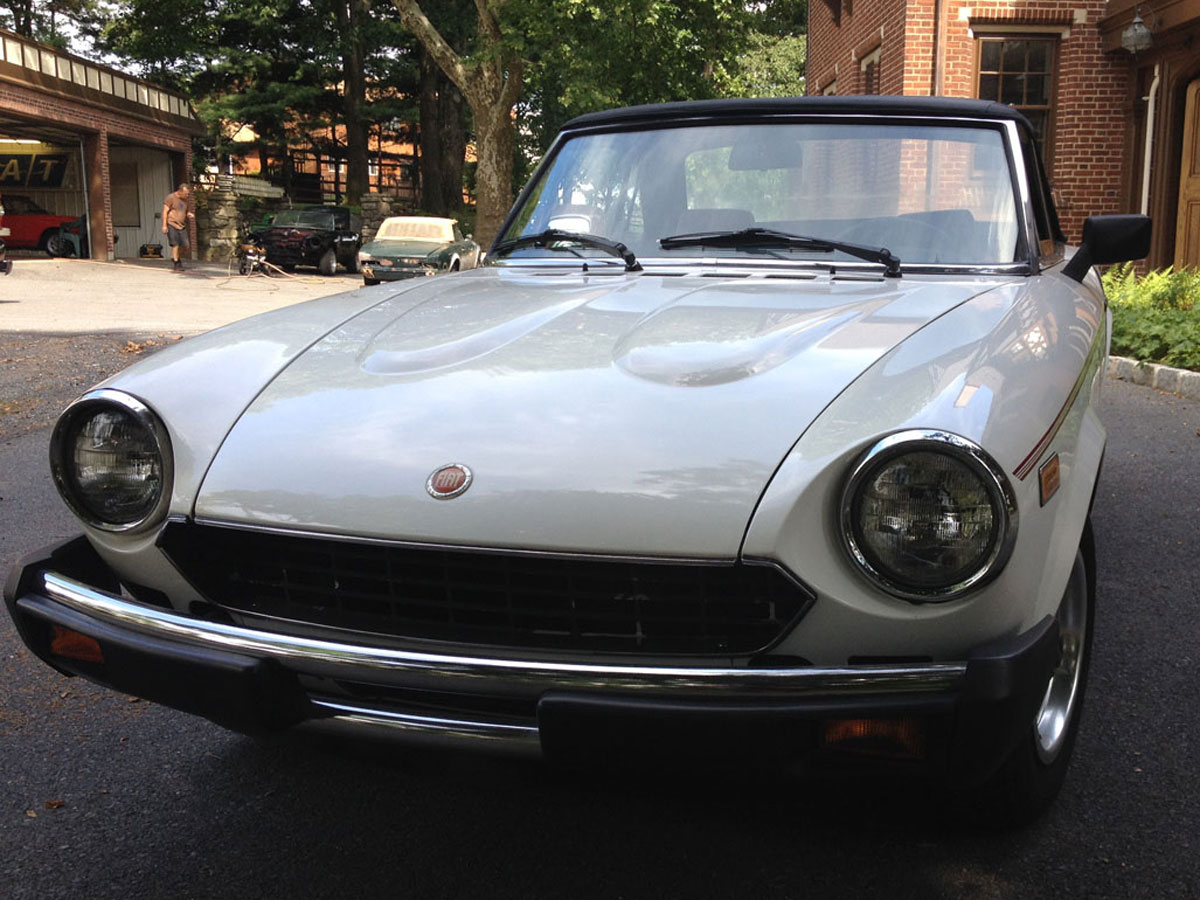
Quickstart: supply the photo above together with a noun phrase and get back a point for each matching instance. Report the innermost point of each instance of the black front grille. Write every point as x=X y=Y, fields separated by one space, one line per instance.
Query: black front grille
x=289 y=252
x=490 y=598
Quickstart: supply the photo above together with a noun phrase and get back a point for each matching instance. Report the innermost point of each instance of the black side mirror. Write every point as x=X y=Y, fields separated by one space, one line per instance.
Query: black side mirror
x=1110 y=239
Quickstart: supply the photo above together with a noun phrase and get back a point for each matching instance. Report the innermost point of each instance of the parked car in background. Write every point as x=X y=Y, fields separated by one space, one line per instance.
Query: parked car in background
x=31 y=227
x=768 y=433
x=321 y=236
x=408 y=246
x=5 y=265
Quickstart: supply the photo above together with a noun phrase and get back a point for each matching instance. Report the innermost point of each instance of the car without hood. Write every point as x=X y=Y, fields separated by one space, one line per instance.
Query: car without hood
x=320 y=236
x=769 y=430
x=410 y=246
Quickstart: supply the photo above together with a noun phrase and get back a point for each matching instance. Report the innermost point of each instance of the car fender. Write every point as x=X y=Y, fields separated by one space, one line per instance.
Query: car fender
x=1015 y=370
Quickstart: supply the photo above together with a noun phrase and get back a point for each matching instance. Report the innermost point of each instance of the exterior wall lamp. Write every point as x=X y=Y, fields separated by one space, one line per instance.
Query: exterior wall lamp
x=1136 y=38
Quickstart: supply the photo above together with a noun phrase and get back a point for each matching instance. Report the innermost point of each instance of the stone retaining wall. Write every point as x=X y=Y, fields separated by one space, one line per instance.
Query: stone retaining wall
x=377 y=207
x=219 y=215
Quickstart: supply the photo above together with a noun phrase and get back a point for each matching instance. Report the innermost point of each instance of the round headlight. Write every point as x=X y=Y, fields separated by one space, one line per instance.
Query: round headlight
x=111 y=460
x=928 y=516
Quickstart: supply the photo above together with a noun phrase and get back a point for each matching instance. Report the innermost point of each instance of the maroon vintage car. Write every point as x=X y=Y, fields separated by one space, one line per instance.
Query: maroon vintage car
x=31 y=227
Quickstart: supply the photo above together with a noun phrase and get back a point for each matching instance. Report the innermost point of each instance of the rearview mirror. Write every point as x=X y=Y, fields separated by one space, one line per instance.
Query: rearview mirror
x=763 y=156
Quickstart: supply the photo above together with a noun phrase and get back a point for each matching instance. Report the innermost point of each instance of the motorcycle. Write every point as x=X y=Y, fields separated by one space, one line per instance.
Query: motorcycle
x=252 y=256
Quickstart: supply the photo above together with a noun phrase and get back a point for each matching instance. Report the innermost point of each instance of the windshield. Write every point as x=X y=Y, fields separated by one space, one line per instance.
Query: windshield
x=420 y=229
x=312 y=218
x=17 y=205
x=929 y=194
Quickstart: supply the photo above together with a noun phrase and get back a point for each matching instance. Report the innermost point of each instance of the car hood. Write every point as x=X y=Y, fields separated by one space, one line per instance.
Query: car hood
x=390 y=247
x=623 y=414
x=292 y=232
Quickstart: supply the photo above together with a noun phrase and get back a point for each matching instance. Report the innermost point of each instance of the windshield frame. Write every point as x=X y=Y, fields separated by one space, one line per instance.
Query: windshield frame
x=1026 y=257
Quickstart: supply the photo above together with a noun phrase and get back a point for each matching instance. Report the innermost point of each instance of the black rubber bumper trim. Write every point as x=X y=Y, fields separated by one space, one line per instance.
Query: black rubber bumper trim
x=75 y=555
x=239 y=691
x=970 y=731
x=1005 y=685
x=598 y=730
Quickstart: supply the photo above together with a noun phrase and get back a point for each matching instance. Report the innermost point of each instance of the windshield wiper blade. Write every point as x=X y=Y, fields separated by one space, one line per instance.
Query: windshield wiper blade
x=769 y=237
x=556 y=235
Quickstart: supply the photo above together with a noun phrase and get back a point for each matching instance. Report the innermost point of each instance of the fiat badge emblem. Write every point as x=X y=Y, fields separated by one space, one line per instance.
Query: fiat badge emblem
x=448 y=481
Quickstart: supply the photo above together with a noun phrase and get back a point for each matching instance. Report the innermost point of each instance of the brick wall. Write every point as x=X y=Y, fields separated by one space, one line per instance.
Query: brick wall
x=1091 y=89
x=848 y=31
x=1091 y=99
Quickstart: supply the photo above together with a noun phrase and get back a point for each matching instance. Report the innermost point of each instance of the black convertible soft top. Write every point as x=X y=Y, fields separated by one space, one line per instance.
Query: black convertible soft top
x=863 y=105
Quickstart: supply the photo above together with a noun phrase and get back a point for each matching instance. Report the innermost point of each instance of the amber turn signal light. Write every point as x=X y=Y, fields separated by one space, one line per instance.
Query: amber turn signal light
x=892 y=738
x=73 y=645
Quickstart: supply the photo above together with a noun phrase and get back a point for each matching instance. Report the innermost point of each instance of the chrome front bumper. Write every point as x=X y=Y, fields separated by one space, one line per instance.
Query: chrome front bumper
x=207 y=662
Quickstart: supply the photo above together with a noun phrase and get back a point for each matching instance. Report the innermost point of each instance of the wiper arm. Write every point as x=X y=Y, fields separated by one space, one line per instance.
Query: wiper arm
x=769 y=237
x=554 y=235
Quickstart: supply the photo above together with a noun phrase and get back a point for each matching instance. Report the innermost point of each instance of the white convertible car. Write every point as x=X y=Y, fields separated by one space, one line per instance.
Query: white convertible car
x=768 y=432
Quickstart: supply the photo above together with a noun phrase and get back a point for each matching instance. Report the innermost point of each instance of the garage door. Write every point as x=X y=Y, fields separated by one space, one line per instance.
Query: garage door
x=140 y=179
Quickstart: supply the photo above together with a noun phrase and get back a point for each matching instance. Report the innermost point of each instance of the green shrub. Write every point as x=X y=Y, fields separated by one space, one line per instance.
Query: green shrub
x=1156 y=317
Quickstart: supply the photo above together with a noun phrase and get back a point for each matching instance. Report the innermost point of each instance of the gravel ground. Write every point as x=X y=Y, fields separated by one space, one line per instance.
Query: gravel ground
x=66 y=324
x=41 y=373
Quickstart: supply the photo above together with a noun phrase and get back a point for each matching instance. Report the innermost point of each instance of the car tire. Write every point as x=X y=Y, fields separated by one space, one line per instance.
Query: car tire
x=54 y=245
x=454 y=266
x=370 y=282
x=352 y=265
x=327 y=264
x=1032 y=775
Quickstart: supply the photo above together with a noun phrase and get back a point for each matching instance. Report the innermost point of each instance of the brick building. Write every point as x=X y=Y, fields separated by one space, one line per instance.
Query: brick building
x=1118 y=128
x=82 y=139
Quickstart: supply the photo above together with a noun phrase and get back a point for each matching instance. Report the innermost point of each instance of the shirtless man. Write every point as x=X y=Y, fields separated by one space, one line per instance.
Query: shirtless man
x=176 y=212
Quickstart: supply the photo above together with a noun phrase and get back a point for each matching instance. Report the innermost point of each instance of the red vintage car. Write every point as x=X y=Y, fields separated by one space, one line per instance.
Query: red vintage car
x=31 y=227
x=5 y=265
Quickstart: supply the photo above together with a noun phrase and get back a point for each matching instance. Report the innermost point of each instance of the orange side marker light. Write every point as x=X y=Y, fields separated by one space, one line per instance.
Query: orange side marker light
x=73 y=645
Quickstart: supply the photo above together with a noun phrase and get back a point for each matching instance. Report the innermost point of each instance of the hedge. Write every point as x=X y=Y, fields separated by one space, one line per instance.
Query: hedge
x=1156 y=317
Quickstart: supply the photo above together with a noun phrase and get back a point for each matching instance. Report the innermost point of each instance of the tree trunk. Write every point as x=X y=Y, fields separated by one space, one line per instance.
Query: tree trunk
x=493 y=177
x=433 y=154
x=350 y=14
x=453 y=123
x=22 y=13
x=491 y=87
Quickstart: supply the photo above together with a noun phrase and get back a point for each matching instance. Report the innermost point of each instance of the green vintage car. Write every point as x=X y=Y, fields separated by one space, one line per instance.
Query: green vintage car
x=408 y=246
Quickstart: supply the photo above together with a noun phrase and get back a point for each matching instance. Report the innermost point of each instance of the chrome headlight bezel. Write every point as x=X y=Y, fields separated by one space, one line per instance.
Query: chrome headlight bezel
x=972 y=457
x=66 y=476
